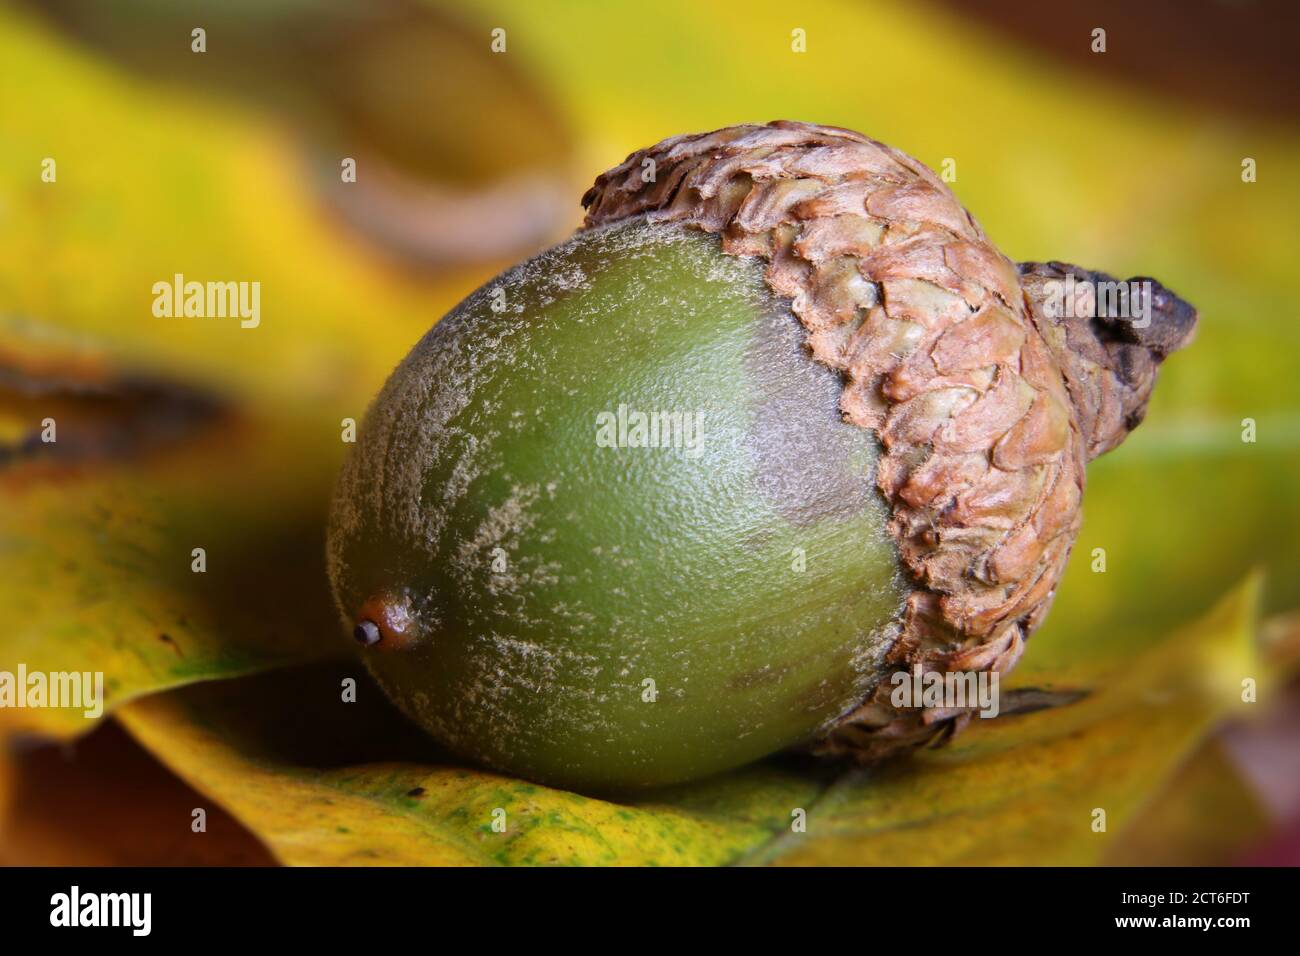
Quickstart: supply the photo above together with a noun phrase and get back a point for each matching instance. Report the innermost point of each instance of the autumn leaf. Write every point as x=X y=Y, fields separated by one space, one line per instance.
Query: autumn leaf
x=322 y=781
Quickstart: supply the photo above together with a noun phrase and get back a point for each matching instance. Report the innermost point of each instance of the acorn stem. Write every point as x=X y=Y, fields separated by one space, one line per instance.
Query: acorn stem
x=1109 y=337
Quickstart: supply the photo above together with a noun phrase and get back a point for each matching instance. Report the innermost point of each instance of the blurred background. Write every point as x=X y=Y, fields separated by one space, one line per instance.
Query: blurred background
x=1164 y=146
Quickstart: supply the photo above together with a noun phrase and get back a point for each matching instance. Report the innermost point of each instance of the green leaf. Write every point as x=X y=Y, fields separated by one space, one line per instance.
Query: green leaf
x=322 y=781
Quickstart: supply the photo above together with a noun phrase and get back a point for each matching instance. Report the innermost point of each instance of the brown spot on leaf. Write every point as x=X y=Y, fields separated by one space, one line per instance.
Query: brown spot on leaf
x=98 y=412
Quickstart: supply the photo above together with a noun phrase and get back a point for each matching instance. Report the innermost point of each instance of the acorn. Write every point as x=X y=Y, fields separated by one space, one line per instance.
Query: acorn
x=777 y=424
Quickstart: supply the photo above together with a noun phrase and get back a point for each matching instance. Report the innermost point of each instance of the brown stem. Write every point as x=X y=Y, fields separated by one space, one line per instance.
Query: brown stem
x=1108 y=347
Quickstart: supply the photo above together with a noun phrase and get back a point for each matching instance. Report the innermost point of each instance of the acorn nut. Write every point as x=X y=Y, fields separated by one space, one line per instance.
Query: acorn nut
x=778 y=423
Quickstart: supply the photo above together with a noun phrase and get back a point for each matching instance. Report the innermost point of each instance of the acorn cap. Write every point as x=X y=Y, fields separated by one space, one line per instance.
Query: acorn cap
x=987 y=390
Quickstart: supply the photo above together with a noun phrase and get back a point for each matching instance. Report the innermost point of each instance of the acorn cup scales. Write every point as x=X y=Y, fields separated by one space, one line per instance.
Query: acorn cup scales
x=687 y=489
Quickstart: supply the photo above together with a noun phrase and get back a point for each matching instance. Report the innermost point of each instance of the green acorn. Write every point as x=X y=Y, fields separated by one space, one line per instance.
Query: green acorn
x=689 y=488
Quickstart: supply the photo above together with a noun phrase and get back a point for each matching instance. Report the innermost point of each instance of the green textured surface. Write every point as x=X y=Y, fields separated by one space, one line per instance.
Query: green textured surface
x=550 y=576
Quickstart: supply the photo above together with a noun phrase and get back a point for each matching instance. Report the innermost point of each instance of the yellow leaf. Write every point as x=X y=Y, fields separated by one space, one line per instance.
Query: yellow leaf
x=322 y=781
x=325 y=786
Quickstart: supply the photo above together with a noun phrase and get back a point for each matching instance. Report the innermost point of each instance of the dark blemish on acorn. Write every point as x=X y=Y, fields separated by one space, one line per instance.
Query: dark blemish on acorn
x=385 y=623
x=366 y=633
